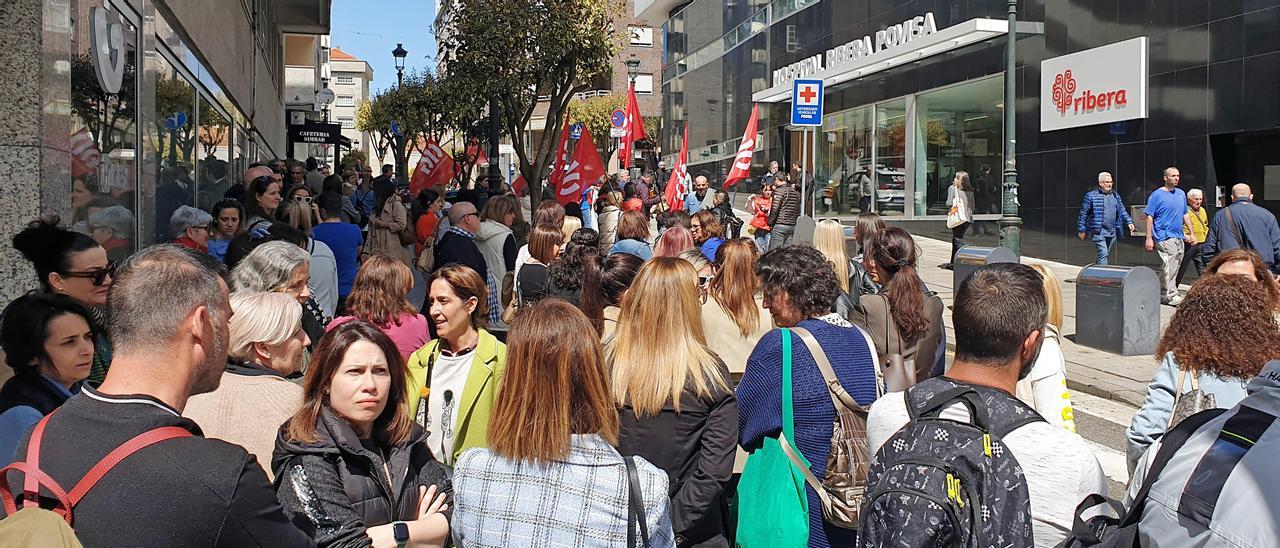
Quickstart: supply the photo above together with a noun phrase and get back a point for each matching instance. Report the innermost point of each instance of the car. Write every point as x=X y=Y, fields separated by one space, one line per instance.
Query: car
x=891 y=189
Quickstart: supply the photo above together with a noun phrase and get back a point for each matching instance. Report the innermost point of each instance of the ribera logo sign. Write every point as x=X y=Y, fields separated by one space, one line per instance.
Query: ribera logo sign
x=1064 y=89
x=1096 y=86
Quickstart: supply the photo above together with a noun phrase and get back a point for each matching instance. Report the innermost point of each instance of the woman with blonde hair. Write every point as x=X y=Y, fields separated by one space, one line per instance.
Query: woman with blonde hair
x=678 y=409
x=828 y=237
x=552 y=437
x=1045 y=386
x=255 y=397
x=571 y=225
x=733 y=316
x=380 y=296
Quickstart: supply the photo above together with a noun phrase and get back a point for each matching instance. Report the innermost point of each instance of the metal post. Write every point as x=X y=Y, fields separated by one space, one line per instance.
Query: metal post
x=495 y=178
x=804 y=157
x=1010 y=222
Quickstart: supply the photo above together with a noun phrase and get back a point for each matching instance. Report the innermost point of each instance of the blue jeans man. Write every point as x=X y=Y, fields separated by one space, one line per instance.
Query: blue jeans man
x=1104 y=244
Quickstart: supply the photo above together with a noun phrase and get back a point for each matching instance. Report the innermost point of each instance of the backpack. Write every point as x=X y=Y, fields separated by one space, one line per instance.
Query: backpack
x=1121 y=529
x=941 y=482
x=845 y=479
x=36 y=526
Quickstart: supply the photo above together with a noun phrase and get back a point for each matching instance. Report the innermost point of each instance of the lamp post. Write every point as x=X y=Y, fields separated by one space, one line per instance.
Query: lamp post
x=1010 y=222
x=399 y=53
x=633 y=68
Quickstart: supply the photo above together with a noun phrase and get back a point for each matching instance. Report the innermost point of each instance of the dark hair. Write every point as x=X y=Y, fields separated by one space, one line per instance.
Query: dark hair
x=568 y=270
x=393 y=426
x=330 y=203
x=803 y=273
x=711 y=227
x=257 y=187
x=242 y=245
x=332 y=183
x=675 y=217
x=995 y=309
x=418 y=207
x=1225 y=326
x=143 y=318
x=616 y=275
x=228 y=203
x=543 y=241
x=26 y=326
x=628 y=191
x=549 y=213
x=894 y=251
x=633 y=226
x=382 y=192
x=387 y=169
x=312 y=163
x=50 y=247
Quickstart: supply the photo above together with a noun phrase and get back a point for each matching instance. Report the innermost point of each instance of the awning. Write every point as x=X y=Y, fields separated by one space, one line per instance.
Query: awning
x=948 y=39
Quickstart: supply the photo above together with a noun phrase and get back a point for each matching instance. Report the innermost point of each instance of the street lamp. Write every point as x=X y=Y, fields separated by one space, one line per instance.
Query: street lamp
x=633 y=66
x=1010 y=222
x=399 y=53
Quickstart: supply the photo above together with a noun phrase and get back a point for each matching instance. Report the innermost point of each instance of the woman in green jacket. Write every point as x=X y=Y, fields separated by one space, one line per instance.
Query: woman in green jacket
x=454 y=378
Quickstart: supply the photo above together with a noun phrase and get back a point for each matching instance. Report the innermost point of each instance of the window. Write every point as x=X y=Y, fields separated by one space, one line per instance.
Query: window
x=644 y=83
x=346 y=101
x=346 y=80
x=641 y=36
x=960 y=129
x=347 y=122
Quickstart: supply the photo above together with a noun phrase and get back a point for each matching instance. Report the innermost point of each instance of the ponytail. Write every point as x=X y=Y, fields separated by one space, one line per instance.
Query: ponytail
x=895 y=252
x=592 y=299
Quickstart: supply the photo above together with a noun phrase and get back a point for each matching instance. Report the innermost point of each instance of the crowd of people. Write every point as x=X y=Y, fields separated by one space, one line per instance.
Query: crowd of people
x=575 y=380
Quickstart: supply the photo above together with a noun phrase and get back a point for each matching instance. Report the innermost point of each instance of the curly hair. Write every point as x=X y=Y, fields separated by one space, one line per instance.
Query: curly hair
x=804 y=274
x=1260 y=271
x=1224 y=327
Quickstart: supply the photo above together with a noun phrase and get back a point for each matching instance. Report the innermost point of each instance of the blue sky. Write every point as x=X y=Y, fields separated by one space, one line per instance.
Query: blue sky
x=370 y=29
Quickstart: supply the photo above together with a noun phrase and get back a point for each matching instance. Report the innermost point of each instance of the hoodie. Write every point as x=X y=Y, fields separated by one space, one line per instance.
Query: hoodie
x=497 y=244
x=336 y=487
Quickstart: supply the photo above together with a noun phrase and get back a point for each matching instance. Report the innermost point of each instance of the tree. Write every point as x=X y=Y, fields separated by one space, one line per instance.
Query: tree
x=109 y=117
x=213 y=128
x=422 y=107
x=174 y=95
x=367 y=122
x=521 y=50
x=351 y=160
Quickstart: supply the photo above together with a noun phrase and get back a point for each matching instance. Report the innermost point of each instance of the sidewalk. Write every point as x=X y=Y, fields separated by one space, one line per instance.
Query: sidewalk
x=1118 y=378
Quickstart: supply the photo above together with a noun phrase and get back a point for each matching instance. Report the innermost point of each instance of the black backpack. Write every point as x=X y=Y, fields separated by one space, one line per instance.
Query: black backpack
x=940 y=482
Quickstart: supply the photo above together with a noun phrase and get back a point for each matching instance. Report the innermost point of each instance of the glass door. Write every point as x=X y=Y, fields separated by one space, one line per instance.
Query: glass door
x=890 y=192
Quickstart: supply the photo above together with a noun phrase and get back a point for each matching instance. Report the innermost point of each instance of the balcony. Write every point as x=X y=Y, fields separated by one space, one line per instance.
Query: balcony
x=300 y=85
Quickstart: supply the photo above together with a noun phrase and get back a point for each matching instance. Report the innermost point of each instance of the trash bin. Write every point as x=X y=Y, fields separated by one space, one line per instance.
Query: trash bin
x=972 y=257
x=1118 y=309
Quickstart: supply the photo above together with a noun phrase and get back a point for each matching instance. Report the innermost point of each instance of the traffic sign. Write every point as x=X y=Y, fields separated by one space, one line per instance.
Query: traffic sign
x=177 y=120
x=575 y=131
x=617 y=132
x=618 y=118
x=806 y=103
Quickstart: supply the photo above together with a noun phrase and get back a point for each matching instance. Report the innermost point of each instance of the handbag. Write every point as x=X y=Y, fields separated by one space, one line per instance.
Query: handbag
x=635 y=507
x=406 y=234
x=773 y=510
x=958 y=213
x=511 y=297
x=1192 y=402
x=895 y=374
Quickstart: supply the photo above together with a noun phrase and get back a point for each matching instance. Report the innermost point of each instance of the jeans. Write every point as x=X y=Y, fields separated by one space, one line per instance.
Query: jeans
x=781 y=236
x=762 y=240
x=957 y=239
x=1192 y=256
x=1104 y=244
x=1170 y=252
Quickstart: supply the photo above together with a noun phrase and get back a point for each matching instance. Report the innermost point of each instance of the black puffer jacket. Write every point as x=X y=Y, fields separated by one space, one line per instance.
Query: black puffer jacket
x=696 y=448
x=337 y=487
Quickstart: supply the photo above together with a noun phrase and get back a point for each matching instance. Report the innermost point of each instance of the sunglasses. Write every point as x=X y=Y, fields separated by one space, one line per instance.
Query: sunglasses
x=302 y=199
x=704 y=280
x=97 y=276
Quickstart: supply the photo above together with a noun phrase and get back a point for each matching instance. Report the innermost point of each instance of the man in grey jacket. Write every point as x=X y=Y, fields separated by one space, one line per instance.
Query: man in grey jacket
x=1227 y=465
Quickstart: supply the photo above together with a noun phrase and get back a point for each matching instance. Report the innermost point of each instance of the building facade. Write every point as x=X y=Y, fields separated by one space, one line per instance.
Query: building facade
x=350 y=79
x=138 y=105
x=914 y=93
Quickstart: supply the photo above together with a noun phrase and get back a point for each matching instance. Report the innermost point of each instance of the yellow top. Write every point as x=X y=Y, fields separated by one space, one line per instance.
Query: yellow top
x=1199 y=225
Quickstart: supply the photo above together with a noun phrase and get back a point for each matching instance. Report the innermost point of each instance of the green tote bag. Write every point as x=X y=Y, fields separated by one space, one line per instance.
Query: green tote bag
x=773 y=510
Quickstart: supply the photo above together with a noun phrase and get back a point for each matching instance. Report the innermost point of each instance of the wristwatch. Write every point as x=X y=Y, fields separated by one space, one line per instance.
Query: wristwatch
x=401 y=532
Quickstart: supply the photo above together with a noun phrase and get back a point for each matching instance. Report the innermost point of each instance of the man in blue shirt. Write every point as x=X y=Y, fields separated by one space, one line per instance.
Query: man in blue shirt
x=1102 y=214
x=344 y=239
x=1167 y=216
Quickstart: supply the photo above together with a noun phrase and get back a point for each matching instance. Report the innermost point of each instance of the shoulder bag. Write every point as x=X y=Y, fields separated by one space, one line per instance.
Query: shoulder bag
x=773 y=509
x=1235 y=231
x=635 y=507
x=895 y=373
x=1192 y=402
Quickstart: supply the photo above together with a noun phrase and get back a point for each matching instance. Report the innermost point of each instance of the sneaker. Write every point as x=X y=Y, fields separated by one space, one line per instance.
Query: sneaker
x=1172 y=302
x=945 y=266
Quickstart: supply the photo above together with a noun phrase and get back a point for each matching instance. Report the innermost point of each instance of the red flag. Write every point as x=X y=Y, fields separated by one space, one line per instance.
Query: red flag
x=475 y=153
x=561 y=161
x=678 y=184
x=742 y=163
x=85 y=157
x=519 y=185
x=434 y=168
x=634 y=127
x=582 y=173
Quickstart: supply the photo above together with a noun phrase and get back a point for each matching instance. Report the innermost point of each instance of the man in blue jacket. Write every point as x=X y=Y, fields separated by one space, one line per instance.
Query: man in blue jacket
x=1102 y=216
x=1245 y=224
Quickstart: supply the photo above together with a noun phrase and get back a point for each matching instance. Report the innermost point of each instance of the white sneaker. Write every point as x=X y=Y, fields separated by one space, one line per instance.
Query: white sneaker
x=1174 y=301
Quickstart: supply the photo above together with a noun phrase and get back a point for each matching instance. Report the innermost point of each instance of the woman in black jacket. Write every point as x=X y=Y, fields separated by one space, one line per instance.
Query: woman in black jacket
x=351 y=467
x=678 y=409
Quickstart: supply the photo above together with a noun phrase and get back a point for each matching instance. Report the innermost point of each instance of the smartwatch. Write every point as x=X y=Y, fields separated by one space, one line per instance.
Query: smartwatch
x=401 y=532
